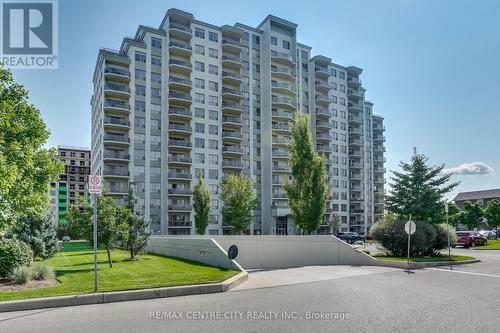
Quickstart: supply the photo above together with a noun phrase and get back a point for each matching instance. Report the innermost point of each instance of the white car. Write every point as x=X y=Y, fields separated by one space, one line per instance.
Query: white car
x=66 y=238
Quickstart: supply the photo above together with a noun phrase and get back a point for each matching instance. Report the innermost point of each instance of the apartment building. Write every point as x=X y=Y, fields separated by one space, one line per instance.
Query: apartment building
x=189 y=97
x=72 y=183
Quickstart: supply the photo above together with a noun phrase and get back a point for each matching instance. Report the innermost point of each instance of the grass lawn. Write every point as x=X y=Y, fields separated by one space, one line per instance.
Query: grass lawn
x=424 y=259
x=75 y=271
x=492 y=244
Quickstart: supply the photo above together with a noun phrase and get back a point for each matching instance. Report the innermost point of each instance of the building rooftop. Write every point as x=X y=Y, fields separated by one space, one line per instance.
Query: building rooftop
x=73 y=148
x=475 y=195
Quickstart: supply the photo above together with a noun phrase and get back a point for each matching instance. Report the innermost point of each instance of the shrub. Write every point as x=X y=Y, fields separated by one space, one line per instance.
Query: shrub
x=390 y=232
x=441 y=241
x=42 y=272
x=20 y=275
x=14 y=253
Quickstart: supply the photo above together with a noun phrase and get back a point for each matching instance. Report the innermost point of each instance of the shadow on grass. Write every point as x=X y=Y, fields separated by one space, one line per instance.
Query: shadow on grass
x=64 y=272
x=187 y=261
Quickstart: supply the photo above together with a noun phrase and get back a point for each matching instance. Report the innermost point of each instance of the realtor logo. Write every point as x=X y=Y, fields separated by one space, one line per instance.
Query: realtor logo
x=29 y=34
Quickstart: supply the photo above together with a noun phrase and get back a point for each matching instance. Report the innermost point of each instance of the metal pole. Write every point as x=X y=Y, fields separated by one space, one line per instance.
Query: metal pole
x=409 y=237
x=448 y=232
x=94 y=217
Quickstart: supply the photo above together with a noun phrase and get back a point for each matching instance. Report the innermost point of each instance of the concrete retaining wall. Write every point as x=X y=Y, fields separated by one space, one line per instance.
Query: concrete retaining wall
x=263 y=251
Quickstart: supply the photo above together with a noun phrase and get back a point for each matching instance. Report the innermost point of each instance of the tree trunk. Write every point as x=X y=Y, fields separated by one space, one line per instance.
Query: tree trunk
x=131 y=251
x=109 y=257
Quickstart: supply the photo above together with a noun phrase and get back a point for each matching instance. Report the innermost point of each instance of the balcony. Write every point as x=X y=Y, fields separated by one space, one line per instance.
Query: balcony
x=355 y=120
x=180 y=31
x=115 y=172
x=179 y=175
x=179 y=98
x=116 y=90
x=322 y=85
x=179 y=66
x=118 y=189
x=355 y=142
x=179 y=208
x=357 y=107
x=356 y=199
x=356 y=153
x=378 y=128
x=284 y=102
x=231 y=61
x=179 y=191
x=355 y=131
x=353 y=82
x=116 y=139
x=230 y=135
x=110 y=155
x=356 y=188
x=323 y=124
x=231 y=106
x=323 y=136
x=283 y=87
x=379 y=159
x=285 y=168
x=180 y=49
x=231 y=45
x=321 y=112
x=283 y=58
x=354 y=94
x=282 y=128
x=179 y=224
x=280 y=195
x=112 y=122
x=231 y=121
x=230 y=93
x=179 y=128
x=356 y=176
x=323 y=149
x=285 y=115
x=378 y=138
x=232 y=150
x=281 y=141
x=232 y=164
x=323 y=99
x=116 y=107
x=231 y=78
x=356 y=165
x=378 y=148
x=283 y=73
x=178 y=83
x=356 y=211
x=179 y=159
x=182 y=144
x=117 y=74
x=179 y=113
x=322 y=72
x=281 y=154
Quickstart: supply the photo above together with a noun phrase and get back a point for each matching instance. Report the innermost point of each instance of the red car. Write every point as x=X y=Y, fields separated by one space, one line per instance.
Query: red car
x=470 y=238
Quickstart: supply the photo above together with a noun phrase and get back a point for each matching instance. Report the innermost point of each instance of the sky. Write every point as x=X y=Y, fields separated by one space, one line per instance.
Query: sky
x=432 y=68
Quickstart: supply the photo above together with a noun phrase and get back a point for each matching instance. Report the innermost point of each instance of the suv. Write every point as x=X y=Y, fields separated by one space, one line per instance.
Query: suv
x=350 y=237
x=470 y=238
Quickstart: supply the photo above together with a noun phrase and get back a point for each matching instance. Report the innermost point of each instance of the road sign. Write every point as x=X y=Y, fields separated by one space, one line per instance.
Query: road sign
x=232 y=252
x=95 y=184
x=410 y=227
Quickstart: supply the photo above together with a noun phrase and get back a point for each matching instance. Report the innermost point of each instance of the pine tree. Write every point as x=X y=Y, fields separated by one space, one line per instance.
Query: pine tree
x=419 y=190
x=238 y=202
x=137 y=226
x=201 y=206
x=308 y=191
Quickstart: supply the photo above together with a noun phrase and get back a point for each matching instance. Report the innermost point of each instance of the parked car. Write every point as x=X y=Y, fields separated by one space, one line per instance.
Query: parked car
x=350 y=237
x=470 y=238
x=66 y=238
x=489 y=234
x=496 y=232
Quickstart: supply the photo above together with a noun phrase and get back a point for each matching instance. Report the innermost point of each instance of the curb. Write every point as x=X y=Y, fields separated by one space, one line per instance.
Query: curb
x=480 y=249
x=417 y=265
x=121 y=296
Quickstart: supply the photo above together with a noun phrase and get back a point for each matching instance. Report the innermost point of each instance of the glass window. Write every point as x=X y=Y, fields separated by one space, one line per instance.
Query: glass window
x=155 y=60
x=212 y=69
x=213 y=129
x=274 y=40
x=200 y=33
x=156 y=78
x=286 y=44
x=199 y=83
x=213 y=115
x=213 y=86
x=140 y=75
x=140 y=90
x=212 y=36
x=140 y=57
x=199 y=98
x=199 y=128
x=213 y=53
x=199 y=113
x=156 y=43
x=199 y=143
x=213 y=144
x=199 y=49
x=155 y=93
x=213 y=174
x=199 y=66
x=213 y=100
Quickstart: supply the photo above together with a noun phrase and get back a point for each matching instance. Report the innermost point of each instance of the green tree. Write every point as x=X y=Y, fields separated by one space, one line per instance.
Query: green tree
x=238 y=202
x=492 y=213
x=137 y=225
x=308 y=190
x=26 y=167
x=419 y=190
x=201 y=205
x=472 y=215
x=38 y=232
x=335 y=222
x=454 y=215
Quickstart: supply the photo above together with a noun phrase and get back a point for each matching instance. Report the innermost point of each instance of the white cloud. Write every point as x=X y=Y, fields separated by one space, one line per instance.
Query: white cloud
x=474 y=168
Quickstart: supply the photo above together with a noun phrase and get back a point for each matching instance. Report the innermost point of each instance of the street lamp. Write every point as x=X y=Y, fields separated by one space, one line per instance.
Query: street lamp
x=447 y=230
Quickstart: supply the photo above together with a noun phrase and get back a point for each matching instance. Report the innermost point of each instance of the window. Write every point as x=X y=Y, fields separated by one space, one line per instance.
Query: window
x=213 y=159
x=139 y=122
x=156 y=78
x=199 y=49
x=199 y=83
x=155 y=93
x=213 y=37
x=155 y=60
x=199 y=98
x=212 y=69
x=140 y=75
x=213 y=144
x=304 y=54
x=274 y=40
x=213 y=129
x=199 y=143
x=255 y=39
x=199 y=66
x=213 y=53
x=213 y=174
x=342 y=75
x=140 y=90
x=213 y=86
x=139 y=106
x=286 y=44
x=199 y=158
x=140 y=57
x=199 y=128
x=213 y=115
x=199 y=113
x=155 y=124
x=200 y=33
x=213 y=100
x=156 y=43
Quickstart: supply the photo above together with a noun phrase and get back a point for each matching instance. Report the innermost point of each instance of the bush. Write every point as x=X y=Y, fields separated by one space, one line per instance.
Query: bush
x=42 y=272
x=390 y=232
x=20 y=275
x=14 y=253
x=441 y=241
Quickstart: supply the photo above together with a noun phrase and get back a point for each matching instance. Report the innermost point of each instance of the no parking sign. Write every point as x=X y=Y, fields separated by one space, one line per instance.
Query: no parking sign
x=95 y=184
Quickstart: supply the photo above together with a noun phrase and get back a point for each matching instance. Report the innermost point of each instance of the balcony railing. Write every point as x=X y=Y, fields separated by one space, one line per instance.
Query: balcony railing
x=116 y=137
x=117 y=87
x=231 y=58
x=116 y=154
x=232 y=149
x=179 y=127
x=180 y=63
x=282 y=55
x=117 y=71
x=180 y=27
x=179 y=158
x=180 y=111
x=283 y=85
x=231 y=74
x=179 y=191
x=227 y=119
x=116 y=121
x=284 y=114
x=231 y=163
x=231 y=91
x=179 y=95
x=231 y=105
x=177 y=174
x=180 y=45
x=116 y=171
x=232 y=134
x=174 y=79
x=116 y=104
x=281 y=127
x=230 y=41
x=179 y=207
x=182 y=143
x=283 y=70
x=285 y=101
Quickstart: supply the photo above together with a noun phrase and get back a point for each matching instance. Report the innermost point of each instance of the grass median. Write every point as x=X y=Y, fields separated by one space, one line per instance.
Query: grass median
x=492 y=245
x=74 y=270
x=425 y=259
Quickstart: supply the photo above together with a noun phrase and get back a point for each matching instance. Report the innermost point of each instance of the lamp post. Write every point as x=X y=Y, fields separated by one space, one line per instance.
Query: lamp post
x=447 y=230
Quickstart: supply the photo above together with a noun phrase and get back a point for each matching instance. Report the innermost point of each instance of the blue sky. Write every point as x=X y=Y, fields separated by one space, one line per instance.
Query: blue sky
x=432 y=68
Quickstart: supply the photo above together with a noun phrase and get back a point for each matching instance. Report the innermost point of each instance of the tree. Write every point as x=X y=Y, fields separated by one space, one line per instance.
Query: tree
x=472 y=215
x=201 y=205
x=454 y=215
x=137 y=225
x=38 y=232
x=111 y=227
x=26 y=167
x=238 y=202
x=492 y=213
x=419 y=190
x=335 y=222
x=308 y=190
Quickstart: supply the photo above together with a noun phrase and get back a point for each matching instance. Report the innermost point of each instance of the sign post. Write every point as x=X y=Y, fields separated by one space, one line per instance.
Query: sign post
x=95 y=189
x=410 y=228
x=448 y=230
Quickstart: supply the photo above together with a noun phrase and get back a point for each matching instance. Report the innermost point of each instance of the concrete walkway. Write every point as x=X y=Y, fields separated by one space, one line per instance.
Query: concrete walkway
x=289 y=276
